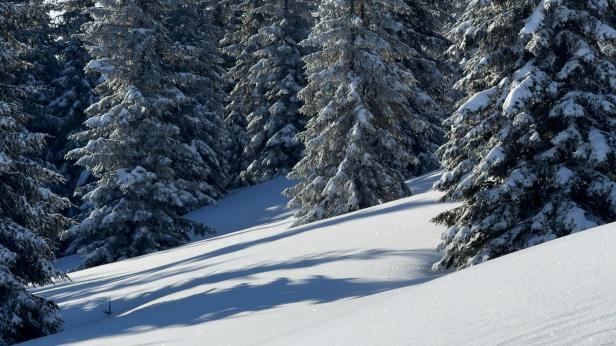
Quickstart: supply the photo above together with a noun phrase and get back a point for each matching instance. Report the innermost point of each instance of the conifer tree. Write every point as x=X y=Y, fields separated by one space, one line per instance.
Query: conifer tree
x=151 y=136
x=430 y=98
x=274 y=79
x=198 y=71
x=226 y=15
x=73 y=90
x=361 y=102
x=43 y=65
x=532 y=150
x=239 y=50
x=29 y=212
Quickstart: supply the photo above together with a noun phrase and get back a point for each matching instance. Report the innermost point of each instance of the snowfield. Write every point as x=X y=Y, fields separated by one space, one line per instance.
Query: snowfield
x=361 y=278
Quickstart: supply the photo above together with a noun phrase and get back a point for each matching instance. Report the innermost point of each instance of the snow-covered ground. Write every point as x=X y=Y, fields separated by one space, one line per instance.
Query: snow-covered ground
x=361 y=278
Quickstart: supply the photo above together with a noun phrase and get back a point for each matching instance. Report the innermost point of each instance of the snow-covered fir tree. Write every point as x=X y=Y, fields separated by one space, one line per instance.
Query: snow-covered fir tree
x=43 y=64
x=240 y=100
x=149 y=137
x=226 y=15
x=364 y=108
x=430 y=97
x=43 y=68
x=274 y=80
x=73 y=90
x=449 y=12
x=197 y=71
x=29 y=212
x=532 y=150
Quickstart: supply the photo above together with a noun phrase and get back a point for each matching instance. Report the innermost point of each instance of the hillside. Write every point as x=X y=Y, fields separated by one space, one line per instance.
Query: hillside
x=361 y=278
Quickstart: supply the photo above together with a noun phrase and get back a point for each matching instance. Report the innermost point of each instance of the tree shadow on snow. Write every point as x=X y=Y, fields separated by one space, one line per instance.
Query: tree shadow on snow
x=87 y=287
x=198 y=299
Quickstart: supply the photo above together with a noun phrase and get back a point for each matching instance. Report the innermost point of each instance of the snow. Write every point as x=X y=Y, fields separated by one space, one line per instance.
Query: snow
x=101 y=66
x=4 y=160
x=495 y=156
x=478 y=101
x=558 y=293
x=259 y=205
x=361 y=278
x=564 y=175
x=519 y=93
x=605 y=32
x=96 y=121
x=534 y=22
x=600 y=148
x=577 y=220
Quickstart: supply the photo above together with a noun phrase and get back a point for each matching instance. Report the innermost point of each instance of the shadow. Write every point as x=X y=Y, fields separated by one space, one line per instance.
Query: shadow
x=195 y=290
x=259 y=204
x=198 y=300
x=262 y=206
x=87 y=287
x=424 y=183
x=245 y=209
x=67 y=263
x=364 y=213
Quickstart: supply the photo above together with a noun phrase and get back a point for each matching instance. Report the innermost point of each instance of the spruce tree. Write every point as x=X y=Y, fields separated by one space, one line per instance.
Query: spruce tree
x=151 y=136
x=361 y=102
x=197 y=70
x=532 y=150
x=43 y=65
x=227 y=18
x=72 y=90
x=239 y=50
x=29 y=211
x=226 y=15
x=274 y=80
x=430 y=97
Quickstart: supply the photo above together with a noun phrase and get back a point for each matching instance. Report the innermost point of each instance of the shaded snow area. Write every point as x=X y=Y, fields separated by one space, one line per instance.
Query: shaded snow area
x=360 y=278
x=247 y=207
x=260 y=205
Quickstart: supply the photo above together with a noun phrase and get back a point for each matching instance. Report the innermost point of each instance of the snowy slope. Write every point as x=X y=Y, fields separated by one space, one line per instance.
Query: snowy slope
x=248 y=207
x=356 y=279
x=240 y=209
x=560 y=293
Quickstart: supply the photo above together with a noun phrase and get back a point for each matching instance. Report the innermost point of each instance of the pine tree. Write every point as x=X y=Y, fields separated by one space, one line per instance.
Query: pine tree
x=150 y=136
x=532 y=150
x=29 y=212
x=275 y=79
x=73 y=90
x=361 y=101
